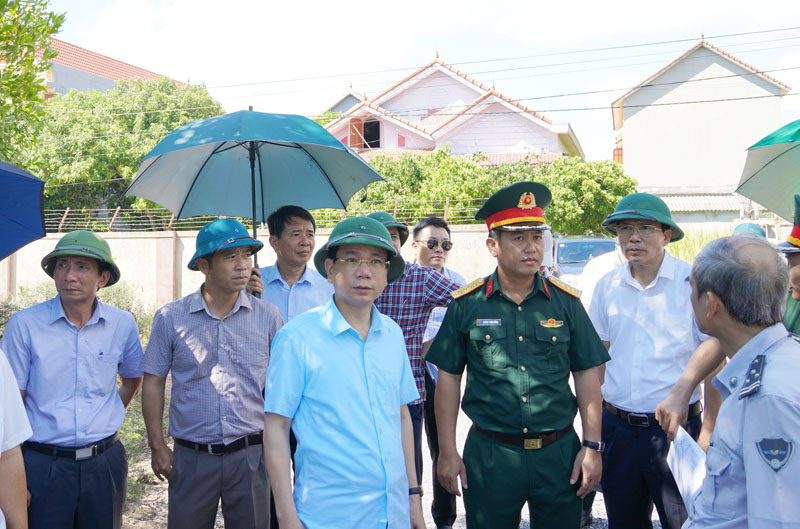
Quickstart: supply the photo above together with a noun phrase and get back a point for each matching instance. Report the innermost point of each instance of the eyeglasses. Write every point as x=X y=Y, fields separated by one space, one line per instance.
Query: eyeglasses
x=645 y=230
x=351 y=263
x=432 y=244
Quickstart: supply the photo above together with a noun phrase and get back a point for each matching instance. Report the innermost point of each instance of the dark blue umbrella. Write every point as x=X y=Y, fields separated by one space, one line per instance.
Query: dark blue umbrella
x=21 y=215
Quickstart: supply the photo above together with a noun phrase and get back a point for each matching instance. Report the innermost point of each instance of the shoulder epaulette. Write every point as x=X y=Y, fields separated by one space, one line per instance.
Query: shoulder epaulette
x=466 y=289
x=752 y=382
x=566 y=287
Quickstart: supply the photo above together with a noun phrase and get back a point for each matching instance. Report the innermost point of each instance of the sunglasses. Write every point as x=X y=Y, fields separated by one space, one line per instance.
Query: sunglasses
x=432 y=244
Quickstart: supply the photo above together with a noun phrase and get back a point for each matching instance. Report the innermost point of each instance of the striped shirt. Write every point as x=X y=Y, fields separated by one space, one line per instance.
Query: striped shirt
x=409 y=302
x=218 y=366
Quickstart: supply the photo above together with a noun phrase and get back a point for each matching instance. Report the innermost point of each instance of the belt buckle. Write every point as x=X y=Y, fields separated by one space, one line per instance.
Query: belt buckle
x=638 y=419
x=85 y=453
x=532 y=444
x=211 y=451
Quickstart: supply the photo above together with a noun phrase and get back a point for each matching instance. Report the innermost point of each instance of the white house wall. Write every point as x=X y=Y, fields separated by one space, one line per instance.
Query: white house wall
x=390 y=131
x=498 y=130
x=438 y=90
x=696 y=145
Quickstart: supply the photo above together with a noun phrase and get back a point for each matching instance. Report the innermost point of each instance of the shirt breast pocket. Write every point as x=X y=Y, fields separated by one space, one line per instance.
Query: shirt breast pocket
x=488 y=344
x=717 y=490
x=104 y=363
x=551 y=352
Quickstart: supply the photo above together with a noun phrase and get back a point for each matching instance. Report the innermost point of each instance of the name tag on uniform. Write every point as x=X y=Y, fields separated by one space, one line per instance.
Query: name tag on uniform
x=488 y=322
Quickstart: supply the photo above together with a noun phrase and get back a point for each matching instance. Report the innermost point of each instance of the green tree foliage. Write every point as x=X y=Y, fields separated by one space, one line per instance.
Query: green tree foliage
x=94 y=141
x=26 y=27
x=327 y=116
x=583 y=192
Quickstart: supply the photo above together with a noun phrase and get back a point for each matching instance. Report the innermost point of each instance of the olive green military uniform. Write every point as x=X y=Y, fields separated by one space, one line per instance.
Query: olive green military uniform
x=518 y=360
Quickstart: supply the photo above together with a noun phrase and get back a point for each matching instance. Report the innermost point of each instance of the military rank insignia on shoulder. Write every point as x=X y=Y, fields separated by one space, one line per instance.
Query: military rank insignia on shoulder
x=566 y=287
x=466 y=289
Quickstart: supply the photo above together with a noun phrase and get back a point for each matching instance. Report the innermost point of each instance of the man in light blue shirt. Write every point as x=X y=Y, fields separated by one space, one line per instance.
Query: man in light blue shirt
x=739 y=288
x=340 y=378
x=290 y=284
x=66 y=353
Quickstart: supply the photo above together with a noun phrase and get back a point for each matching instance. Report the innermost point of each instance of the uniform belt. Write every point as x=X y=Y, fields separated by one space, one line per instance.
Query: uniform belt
x=649 y=419
x=527 y=442
x=78 y=454
x=221 y=449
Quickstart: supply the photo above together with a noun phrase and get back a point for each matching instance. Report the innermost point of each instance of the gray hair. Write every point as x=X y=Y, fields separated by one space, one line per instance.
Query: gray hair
x=747 y=275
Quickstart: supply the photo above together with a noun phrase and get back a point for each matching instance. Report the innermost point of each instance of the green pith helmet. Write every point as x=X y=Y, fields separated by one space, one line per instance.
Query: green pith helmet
x=361 y=230
x=86 y=244
x=642 y=206
x=390 y=222
x=222 y=234
x=519 y=203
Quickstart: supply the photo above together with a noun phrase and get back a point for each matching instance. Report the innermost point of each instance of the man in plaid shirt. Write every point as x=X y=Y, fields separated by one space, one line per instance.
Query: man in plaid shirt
x=409 y=302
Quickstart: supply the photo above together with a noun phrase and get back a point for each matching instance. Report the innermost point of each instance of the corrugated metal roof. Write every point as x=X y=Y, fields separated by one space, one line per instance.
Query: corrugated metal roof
x=690 y=203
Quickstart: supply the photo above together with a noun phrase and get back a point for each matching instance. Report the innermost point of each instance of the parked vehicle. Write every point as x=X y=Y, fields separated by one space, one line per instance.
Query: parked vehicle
x=570 y=254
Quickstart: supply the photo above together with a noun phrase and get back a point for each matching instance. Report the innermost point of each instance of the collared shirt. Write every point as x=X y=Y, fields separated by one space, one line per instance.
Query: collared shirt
x=311 y=290
x=594 y=271
x=344 y=396
x=69 y=375
x=437 y=317
x=791 y=316
x=651 y=330
x=751 y=467
x=518 y=356
x=409 y=302
x=14 y=426
x=218 y=365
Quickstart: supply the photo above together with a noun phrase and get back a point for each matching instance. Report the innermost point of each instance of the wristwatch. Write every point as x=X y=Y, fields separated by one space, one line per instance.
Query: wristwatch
x=599 y=446
x=415 y=490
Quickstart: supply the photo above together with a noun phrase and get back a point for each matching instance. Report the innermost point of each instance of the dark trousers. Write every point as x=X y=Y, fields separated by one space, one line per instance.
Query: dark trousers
x=443 y=507
x=87 y=494
x=198 y=481
x=636 y=475
x=417 y=412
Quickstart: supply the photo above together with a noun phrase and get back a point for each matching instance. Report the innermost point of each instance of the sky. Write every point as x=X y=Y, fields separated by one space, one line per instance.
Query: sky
x=301 y=57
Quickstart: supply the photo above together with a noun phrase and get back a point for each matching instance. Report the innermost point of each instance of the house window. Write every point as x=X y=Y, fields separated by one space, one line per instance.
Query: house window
x=372 y=134
x=618 y=155
x=401 y=140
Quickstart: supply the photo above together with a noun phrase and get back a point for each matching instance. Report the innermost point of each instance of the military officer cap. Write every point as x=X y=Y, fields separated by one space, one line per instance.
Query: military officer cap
x=514 y=205
x=390 y=222
x=792 y=244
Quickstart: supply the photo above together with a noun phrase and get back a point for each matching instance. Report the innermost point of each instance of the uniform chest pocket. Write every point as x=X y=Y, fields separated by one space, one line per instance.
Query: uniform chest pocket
x=717 y=487
x=551 y=349
x=488 y=344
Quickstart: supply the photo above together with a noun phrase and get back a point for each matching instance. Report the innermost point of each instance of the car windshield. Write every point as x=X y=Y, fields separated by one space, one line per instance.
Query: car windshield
x=582 y=251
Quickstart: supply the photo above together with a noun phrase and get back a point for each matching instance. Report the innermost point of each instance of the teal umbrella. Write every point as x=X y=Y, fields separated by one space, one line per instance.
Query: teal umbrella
x=771 y=173
x=248 y=164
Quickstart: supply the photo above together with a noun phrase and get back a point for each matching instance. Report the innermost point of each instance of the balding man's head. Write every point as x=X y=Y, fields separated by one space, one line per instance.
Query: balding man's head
x=747 y=275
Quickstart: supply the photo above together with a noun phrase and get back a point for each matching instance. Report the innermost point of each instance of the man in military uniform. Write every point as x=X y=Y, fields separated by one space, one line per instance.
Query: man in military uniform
x=519 y=335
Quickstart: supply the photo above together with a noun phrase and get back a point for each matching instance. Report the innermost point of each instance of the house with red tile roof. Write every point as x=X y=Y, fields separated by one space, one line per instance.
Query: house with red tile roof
x=684 y=131
x=81 y=69
x=438 y=105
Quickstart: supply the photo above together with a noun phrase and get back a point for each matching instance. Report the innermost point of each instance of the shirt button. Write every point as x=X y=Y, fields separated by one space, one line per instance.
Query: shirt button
x=488 y=337
x=520 y=338
x=524 y=430
x=524 y=399
x=519 y=307
x=554 y=338
x=522 y=368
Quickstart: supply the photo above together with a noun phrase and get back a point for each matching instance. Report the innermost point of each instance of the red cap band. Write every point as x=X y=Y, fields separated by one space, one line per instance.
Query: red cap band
x=514 y=216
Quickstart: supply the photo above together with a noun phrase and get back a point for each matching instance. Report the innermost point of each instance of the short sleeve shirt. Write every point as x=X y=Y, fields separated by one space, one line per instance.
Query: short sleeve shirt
x=70 y=375
x=218 y=366
x=14 y=426
x=344 y=396
x=518 y=357
x=751 y=464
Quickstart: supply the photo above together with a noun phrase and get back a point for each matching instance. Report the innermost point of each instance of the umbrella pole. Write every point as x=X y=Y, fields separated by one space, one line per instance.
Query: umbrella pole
x=252 y=150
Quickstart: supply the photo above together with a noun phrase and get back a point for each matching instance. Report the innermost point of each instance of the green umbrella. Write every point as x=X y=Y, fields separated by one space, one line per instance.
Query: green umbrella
x=771 y=173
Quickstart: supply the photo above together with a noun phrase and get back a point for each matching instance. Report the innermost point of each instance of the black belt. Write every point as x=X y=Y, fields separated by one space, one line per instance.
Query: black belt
x=528 y=442
x=649 y=419
x=78 y=454
x=218 y=450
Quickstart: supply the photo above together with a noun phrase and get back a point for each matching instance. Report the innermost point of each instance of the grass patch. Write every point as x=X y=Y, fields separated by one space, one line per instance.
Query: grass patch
x=691 y=244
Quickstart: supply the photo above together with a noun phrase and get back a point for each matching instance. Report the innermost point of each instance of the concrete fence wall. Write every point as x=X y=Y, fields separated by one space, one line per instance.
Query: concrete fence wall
x=154 y=264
